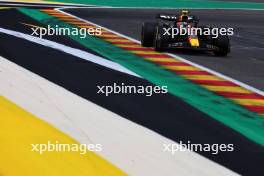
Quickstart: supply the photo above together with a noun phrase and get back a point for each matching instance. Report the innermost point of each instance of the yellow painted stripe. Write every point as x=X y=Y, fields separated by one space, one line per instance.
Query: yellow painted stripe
x=124 y=45
x=105 y=31
x=227 y=89
x=160 y=59
x=86 y=26
x=144 y=52
x=69 y=19
x=3 y=8
x=73 y=21
x=77 y=23
x=249 y=101
x=48 y=10
x=19 y=129
x=202 y=77
x=118 y=40
x=110 y=35
x=58 y=15
x=181 y=67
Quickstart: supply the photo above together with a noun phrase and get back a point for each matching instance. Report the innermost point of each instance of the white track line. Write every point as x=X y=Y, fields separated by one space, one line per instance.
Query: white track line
x=178 y=57
x=135 y=149
x=69 y=50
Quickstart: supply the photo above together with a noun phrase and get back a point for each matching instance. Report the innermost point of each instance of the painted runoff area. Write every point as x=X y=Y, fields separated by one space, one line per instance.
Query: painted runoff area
x=20 y=128
x=42 y=111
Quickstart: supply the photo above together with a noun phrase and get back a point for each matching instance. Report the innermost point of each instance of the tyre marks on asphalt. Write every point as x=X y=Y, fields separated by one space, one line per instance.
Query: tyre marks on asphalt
x=218 y=85
x=22 y=25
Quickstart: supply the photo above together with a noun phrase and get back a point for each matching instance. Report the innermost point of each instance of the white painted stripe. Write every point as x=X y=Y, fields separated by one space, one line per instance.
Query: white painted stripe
x=177 y=57
x=133 y=148
x=69 y=50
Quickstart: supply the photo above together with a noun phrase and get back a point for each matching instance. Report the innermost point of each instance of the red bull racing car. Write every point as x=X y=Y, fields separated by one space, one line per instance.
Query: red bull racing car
x=182 y=31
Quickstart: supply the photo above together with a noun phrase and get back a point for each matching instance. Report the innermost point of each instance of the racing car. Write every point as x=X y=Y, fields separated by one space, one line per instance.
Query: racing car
x=152 y=35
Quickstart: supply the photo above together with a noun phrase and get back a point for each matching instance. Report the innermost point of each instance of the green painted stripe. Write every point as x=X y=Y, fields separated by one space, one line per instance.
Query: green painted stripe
x=247 y=123
x=171 y=4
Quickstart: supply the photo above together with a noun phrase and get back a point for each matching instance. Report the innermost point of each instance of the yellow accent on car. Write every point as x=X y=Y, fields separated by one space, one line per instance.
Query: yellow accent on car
x=194 y=42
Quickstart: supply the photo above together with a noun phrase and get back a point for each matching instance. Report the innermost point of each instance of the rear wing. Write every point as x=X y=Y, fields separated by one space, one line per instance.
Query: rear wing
x=168 y=17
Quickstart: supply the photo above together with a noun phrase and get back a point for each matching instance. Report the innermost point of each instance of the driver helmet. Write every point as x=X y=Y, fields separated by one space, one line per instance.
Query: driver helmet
x=184 y=12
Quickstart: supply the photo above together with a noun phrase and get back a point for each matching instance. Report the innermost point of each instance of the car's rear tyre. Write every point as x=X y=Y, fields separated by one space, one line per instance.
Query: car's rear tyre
x=201 y=35
x=148 y=34
x=222 y=42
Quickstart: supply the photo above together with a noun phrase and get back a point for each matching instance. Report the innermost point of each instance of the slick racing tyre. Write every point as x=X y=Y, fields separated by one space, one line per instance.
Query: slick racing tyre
x=148 y=31
x=222 y=42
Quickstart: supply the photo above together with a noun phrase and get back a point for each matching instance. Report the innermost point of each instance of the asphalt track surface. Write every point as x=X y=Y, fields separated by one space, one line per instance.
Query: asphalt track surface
x=158 y=113
x=245 y=62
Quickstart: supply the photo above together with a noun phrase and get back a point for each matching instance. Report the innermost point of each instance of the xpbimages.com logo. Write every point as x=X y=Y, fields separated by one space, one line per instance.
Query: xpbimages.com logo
x=190 y=31
x=74 y=31
x=62 y=147
x=131 y=89
x=212 y=148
